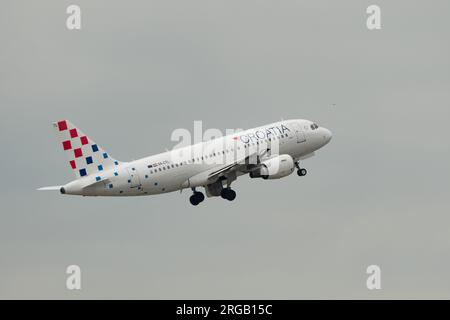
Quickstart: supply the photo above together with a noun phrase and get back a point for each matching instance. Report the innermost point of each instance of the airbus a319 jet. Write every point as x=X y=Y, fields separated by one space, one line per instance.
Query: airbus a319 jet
x=268 y=152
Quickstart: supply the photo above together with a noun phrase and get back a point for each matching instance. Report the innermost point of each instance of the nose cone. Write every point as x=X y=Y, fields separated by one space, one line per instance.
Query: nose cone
x=326 y=135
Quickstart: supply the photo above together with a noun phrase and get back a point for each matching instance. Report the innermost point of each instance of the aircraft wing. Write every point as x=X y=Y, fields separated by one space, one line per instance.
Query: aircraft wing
x=243 y=165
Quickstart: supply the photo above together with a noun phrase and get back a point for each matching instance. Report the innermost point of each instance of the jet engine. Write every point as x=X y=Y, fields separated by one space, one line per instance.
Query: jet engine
x=274 y=168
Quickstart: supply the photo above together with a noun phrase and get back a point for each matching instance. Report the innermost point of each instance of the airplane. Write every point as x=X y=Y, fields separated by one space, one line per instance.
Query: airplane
x=268 y=152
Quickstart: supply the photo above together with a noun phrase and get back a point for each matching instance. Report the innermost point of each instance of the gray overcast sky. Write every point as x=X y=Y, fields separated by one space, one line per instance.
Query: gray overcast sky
x=377 y=194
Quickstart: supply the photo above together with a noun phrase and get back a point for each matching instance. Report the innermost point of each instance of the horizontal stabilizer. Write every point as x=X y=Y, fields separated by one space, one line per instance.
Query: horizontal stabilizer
x=95 y=183
x=52 y=188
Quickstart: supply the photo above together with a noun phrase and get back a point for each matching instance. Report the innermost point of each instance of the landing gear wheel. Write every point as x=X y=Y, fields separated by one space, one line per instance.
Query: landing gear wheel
x=228 y=194
x=231 y=195
x=193 y=200
x=301 y=172
x=200 y=196
x=196 y=198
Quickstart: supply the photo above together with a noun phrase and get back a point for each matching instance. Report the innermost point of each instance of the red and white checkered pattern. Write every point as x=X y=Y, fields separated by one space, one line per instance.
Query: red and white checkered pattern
x=78 y=147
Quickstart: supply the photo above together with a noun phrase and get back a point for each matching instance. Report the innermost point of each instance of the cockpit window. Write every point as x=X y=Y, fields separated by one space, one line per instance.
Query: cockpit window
x=314 y=126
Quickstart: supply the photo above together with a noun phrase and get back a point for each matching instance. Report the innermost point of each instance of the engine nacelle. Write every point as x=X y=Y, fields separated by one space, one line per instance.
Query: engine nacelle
x=275 y=168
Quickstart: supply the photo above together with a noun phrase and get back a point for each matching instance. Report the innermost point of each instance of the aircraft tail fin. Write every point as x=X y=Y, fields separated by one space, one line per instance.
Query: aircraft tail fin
x=84 y=155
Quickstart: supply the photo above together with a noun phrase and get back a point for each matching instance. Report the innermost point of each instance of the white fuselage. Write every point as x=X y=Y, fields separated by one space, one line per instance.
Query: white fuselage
x=182 y=168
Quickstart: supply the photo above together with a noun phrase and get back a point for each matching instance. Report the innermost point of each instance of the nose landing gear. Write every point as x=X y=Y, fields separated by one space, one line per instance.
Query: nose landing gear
x=301 y=171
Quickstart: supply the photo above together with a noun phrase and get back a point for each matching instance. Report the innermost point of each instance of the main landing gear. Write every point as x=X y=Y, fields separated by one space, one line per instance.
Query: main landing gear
x=214 y=190
x=197 y=197
x=301 y=171
x=228 y=193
